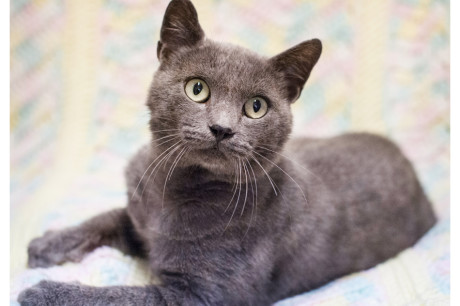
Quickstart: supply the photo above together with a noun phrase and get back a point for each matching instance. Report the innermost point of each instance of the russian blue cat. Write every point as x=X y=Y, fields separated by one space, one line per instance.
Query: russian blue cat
x=227 y=209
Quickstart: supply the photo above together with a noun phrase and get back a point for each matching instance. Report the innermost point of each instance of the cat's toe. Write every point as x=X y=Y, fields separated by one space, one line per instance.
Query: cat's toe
x=35 y=295
x=42 y=253
x=37 y=261
x=56 y=247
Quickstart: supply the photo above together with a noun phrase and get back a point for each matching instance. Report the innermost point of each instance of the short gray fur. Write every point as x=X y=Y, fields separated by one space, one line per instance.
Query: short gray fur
x=217 y=231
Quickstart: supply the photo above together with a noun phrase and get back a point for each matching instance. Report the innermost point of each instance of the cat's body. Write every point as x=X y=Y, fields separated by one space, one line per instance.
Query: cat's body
x=353 y=218
x=227 y=211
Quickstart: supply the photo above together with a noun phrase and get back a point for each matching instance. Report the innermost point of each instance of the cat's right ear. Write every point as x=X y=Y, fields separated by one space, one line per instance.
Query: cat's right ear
x=180 y=28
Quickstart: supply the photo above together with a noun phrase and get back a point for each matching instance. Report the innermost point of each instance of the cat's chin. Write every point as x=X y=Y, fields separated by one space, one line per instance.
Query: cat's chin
x=214 y=160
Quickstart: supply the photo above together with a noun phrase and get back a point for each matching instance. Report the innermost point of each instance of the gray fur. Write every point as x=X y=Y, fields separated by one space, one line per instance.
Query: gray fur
x=215 y=228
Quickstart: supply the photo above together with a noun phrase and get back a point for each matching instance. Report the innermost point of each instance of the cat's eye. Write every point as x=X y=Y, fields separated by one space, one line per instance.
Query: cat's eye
x=197 y=90
x=256 y=108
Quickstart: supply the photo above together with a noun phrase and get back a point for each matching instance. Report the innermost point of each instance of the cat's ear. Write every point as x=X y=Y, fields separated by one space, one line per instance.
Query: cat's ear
x=296 y=64
x=180 y=28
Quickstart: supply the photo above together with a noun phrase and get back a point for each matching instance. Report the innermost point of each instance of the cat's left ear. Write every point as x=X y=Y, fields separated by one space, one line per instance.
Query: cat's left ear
x=180 y=28
x=296 y=64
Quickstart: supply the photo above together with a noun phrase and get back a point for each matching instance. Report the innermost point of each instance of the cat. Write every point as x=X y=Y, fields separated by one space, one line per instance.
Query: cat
x=227 y=210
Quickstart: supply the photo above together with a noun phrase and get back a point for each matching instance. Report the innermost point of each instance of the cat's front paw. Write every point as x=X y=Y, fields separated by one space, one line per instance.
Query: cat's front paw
x=57 y=247
x=43 y=293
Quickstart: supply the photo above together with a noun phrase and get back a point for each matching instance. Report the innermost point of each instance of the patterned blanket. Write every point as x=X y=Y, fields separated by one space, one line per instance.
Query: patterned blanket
x=79 y=77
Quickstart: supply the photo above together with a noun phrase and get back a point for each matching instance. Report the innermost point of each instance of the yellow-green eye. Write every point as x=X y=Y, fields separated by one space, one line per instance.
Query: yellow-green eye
x=197 y=90
x=256 y=108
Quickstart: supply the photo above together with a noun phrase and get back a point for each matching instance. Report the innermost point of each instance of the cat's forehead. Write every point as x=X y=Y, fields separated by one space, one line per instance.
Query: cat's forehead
x=227 y=66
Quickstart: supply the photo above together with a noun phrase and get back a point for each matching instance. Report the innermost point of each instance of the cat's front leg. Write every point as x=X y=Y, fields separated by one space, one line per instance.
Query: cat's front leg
x=113 y=228
x=51 y=293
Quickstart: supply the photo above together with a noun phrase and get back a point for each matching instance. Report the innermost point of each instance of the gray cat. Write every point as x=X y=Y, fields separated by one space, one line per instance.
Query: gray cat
x=224 y=207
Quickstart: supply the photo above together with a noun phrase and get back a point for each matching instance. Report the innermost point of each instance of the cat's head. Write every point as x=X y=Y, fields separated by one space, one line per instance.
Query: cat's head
x=215 y=104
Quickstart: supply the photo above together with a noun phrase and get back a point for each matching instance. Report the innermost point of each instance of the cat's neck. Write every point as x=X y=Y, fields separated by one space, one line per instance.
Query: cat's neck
x=206 y=202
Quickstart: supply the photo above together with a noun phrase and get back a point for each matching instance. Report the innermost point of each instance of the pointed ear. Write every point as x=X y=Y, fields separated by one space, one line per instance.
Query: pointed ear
x=180 y=28
x=296 y=64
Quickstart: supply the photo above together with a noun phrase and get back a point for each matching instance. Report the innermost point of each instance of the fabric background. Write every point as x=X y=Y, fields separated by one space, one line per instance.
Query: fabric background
x=80 y=71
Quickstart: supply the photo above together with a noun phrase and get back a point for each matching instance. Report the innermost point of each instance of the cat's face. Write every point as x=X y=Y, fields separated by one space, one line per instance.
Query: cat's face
x=215 y=105
x=222 y=101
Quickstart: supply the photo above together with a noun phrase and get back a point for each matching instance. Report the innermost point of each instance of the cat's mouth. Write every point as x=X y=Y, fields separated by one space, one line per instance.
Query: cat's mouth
x=223 y=149
x=220 y=151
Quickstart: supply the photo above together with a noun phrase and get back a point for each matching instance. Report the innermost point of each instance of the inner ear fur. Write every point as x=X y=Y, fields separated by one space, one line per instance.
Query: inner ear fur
x=296 y=64
x=180 y=28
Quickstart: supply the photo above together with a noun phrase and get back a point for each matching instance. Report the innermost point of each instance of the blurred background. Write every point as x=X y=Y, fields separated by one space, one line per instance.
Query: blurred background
x=80 y=72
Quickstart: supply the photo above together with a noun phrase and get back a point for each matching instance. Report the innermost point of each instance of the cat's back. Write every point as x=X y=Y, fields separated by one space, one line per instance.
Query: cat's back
x=343 y=144
x=359 y=158
x=359 y=167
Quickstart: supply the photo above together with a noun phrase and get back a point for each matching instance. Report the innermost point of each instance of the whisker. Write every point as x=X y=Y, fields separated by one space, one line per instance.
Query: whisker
x=165 y=153
x=255 y=179
x=295 y=182
x=235 y=184
x=254 y=203
x=164 y=118
x=163 y=161
x=157 y=167
x=294 y=161
x=274 y=185
x=169 y=172
x=246 y=181
x=268 y=176
x=185 y=152
x=167 y=160
x=151 y=164
x=233 y=189
x=166 y=141
x=168 y=136
x=238 y=199
x=168 y=130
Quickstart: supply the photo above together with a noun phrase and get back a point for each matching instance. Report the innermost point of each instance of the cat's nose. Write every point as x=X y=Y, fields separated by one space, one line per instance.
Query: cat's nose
x=221 y=132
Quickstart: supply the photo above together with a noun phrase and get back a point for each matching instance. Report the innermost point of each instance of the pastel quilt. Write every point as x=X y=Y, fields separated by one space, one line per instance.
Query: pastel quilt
x=80 y=71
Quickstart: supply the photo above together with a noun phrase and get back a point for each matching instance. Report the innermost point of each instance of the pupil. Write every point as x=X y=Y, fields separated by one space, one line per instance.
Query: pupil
x=197 y=88
x=256 y=105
